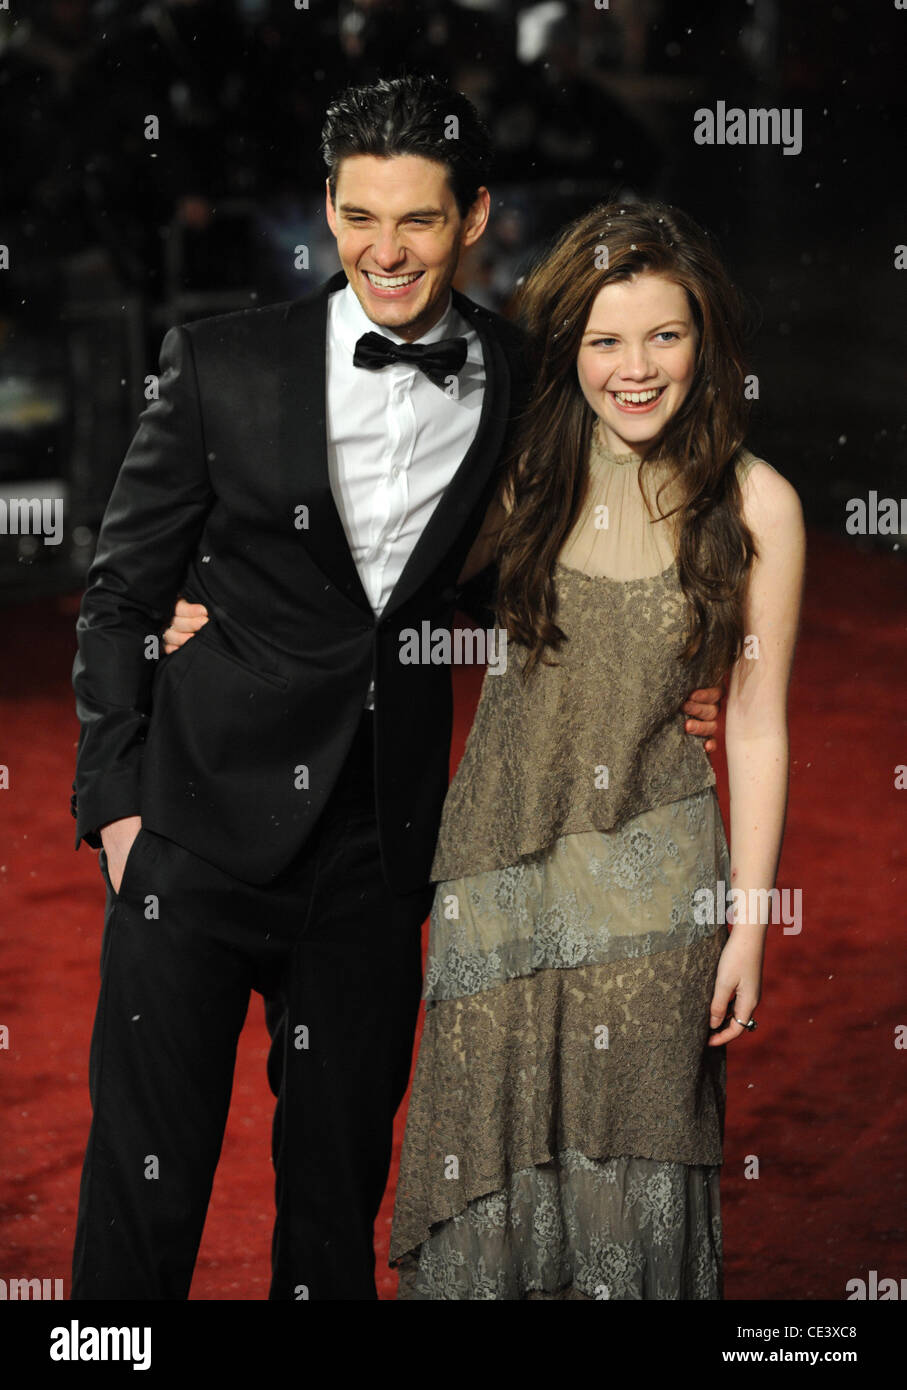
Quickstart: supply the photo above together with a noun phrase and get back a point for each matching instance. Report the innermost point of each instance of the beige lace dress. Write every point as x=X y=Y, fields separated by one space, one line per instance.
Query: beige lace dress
x=565 y=1126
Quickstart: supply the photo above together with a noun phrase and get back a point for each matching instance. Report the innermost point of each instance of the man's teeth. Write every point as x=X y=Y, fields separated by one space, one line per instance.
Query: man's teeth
x=637 y=397
x=391 y=282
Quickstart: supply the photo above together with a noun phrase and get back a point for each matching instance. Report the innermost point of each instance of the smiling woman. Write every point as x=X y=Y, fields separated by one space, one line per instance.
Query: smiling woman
x=565 y=1127
x=647 y=369
x=656 y=312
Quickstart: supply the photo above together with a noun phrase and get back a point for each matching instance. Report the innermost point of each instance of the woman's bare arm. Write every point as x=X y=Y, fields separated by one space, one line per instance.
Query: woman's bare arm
x=756 y=732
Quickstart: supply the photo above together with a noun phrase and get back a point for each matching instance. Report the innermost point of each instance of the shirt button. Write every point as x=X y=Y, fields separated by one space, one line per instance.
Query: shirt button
x=395 y=472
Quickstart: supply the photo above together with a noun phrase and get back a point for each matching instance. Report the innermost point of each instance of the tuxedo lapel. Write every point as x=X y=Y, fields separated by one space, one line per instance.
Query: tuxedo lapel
x=302 y=406
x=303 y=454
x=462 y=492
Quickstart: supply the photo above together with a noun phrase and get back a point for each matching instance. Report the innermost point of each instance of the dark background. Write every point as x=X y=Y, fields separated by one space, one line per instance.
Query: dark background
x=113 y=237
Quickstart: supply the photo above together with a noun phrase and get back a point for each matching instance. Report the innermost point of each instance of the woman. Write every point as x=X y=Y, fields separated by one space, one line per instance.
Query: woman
x=565 y=1127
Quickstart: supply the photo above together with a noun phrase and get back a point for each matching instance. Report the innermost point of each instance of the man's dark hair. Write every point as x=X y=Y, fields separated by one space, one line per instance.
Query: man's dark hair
x=410 y=115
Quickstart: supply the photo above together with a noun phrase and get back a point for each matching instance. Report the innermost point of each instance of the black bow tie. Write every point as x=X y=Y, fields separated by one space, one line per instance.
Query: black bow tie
x=437 y=360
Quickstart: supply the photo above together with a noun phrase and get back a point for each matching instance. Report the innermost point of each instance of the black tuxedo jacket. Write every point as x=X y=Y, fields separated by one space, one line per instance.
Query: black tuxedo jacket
x=231 y=745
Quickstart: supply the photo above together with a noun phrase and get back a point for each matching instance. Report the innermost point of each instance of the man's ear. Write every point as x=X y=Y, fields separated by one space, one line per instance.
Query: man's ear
x=476 y=219
x=329 y=207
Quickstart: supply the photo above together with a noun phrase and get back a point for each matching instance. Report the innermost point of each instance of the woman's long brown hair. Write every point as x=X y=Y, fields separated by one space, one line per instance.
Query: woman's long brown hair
x=547 y=475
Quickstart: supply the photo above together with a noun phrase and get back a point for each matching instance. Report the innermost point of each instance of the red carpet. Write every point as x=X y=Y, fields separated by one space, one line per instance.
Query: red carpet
x=816 y=1094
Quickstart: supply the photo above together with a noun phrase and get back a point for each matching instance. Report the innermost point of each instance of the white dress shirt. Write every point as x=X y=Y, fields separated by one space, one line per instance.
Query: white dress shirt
x=394 y=440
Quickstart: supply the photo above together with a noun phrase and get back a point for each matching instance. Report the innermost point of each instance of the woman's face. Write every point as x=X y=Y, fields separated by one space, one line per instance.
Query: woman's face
x=637 y=358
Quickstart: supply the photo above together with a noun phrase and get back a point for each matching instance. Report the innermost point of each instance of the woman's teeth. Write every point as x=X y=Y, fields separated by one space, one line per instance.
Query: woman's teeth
x=392 y=282
x=637 y=397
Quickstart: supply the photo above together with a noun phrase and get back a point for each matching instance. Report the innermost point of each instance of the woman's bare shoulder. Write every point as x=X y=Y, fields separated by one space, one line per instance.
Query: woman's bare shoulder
x=768 y=498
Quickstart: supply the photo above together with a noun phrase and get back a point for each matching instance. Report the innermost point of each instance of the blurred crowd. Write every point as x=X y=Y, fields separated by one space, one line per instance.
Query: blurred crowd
x=239 y=89
x=108 y=236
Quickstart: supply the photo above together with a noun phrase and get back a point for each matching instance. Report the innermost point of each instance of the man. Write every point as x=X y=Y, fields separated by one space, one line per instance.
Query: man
x=268 y=797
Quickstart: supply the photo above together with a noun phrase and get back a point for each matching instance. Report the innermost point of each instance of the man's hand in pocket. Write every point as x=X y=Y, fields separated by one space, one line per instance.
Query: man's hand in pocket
x=118 y=838
x=185 y=623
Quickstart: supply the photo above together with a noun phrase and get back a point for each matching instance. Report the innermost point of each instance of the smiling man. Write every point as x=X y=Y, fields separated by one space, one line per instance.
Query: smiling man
x=400 y=231
x=267 y=797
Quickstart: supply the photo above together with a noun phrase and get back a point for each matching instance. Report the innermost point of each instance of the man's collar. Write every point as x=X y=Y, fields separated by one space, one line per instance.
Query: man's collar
x=352 y=321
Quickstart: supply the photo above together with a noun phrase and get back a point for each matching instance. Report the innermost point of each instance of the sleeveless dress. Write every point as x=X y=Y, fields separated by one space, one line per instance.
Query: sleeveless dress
x=564 y=1134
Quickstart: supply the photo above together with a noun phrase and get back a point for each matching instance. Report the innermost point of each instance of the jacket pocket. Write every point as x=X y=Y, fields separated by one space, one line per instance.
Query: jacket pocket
x=270 y=677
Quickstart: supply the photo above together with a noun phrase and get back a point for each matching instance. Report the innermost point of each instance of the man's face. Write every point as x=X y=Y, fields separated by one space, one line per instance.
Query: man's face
x=399 y=237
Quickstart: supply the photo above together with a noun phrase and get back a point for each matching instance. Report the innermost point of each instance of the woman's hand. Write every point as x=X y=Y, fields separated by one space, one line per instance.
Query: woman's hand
x=185 y=623
x=738 y=982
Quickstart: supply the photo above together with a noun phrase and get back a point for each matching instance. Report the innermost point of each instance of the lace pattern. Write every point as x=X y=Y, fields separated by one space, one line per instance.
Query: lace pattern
x=609 y=1060
x=579 y=1228
x=598 y=738
x=594 y=897
x=584 y=745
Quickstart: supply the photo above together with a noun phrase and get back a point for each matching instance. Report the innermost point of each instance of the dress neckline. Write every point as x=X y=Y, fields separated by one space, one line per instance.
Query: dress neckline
x=611 y=579
x=616 y=476
x=601 y=450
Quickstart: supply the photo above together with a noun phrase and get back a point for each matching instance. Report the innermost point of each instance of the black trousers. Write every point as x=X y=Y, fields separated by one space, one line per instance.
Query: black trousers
x=336 y=955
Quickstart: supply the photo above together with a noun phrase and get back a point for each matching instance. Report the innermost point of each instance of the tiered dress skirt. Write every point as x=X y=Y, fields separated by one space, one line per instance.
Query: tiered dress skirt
x=564 y=1134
